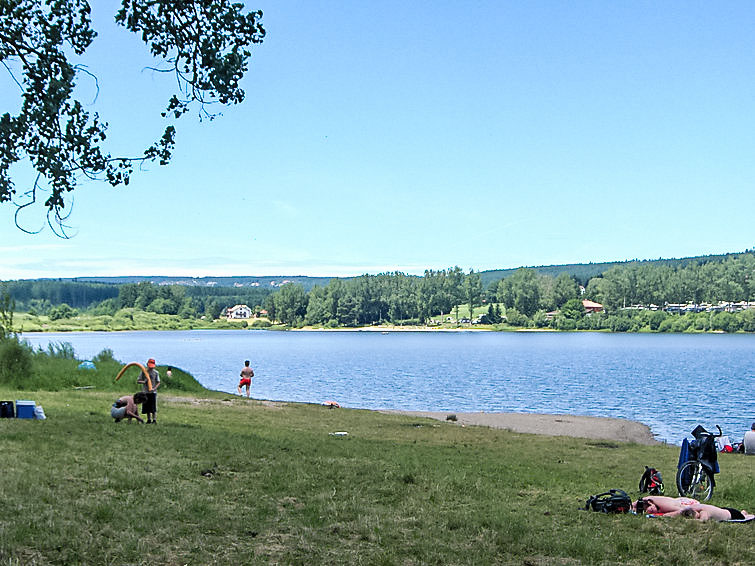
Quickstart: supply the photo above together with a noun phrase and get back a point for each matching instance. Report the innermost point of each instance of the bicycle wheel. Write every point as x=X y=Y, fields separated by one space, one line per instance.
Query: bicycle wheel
x=694 y=480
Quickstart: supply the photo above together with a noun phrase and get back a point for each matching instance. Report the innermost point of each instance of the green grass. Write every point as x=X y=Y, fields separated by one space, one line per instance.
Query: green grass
x=224 y=480
x=124 y=319
x=464 y=312
x=56 y=369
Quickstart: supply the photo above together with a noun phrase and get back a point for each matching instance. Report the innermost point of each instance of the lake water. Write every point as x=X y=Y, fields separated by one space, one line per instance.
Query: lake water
x=669 y=382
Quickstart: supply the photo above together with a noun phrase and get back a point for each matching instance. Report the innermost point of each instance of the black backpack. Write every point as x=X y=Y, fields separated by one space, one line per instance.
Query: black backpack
x=612 y=501
x=6 y=410
x=651 y=482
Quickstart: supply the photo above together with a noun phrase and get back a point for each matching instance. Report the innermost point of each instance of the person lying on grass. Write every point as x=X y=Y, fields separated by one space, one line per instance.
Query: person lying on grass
x=705 y=512
x=661 y=504
x=126 y=407
x=688 y=507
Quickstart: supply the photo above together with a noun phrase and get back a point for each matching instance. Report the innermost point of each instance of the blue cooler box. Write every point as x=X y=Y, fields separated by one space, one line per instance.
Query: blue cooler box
x=25 y=409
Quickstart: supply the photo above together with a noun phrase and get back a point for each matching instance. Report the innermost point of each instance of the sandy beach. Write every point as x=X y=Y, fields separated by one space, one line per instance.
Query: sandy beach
x=621 y=430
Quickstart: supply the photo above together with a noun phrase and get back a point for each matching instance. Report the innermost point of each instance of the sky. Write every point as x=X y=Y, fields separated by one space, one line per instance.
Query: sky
x=403 y=136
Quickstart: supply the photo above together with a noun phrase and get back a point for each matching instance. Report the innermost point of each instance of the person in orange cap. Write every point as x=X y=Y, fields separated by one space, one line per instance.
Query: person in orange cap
x=149 y=407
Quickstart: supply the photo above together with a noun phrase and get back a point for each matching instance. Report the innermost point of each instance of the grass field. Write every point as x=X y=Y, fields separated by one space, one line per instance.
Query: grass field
x=126 y=319
x=225 y=480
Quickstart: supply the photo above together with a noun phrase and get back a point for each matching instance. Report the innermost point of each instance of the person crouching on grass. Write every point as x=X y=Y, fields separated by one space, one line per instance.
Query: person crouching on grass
x=126 y=407
x=149 y=407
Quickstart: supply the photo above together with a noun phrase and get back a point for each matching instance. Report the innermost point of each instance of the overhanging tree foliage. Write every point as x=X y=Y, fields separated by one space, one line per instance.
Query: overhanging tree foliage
x=205 y=44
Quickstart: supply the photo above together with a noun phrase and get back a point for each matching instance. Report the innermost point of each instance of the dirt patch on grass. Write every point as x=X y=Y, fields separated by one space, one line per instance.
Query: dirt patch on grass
x=227 y=402
x=620 y=430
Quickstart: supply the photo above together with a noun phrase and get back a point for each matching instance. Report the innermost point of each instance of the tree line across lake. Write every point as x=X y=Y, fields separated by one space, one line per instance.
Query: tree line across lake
x=526 y=297
x=65 y=299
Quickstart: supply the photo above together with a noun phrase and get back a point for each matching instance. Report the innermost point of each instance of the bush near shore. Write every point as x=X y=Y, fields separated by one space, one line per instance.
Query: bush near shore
x=55 y=368
x=225 y=480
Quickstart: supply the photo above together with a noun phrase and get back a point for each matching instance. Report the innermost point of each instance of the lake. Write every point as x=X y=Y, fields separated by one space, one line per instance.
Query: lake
x=671 y=382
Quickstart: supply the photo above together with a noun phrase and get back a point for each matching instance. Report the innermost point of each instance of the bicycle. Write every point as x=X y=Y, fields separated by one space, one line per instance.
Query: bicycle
x=695 y=476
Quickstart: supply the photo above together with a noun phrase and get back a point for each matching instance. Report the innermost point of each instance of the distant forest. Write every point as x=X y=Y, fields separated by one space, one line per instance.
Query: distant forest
x=633 y=293
x=61 y=298
x=583 y=272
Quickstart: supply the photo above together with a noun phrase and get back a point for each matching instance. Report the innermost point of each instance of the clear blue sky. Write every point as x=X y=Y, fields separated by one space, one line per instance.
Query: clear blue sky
x=427 y=134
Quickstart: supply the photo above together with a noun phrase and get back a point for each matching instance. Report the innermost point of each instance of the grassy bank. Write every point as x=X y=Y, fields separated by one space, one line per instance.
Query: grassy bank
x=224 y=480
x=126 y=319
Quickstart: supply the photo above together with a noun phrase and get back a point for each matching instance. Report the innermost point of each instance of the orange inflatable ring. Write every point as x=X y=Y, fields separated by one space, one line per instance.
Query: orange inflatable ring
x=140 y=366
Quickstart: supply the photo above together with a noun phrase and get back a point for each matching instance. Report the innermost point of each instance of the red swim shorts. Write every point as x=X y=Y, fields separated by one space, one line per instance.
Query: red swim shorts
x=245 y=381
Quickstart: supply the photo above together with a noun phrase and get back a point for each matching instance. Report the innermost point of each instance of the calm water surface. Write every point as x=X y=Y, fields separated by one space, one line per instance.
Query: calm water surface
x=669 y=382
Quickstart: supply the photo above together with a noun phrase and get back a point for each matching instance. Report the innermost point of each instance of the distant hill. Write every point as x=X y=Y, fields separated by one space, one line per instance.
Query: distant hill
x=582 y=272
x=266 y=282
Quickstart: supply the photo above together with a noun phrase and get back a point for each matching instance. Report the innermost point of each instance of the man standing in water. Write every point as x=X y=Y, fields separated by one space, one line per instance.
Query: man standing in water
x=246 y=378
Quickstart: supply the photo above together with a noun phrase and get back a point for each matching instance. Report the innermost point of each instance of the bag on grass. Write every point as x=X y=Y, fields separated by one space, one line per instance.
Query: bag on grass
x=6 y=410
x=612 y=501
x=651 y=482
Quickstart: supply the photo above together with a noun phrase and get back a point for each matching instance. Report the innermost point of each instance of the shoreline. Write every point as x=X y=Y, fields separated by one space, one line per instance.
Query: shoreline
x=382 y=329
x=544 y=424
x=577 y=426
x=386 y=329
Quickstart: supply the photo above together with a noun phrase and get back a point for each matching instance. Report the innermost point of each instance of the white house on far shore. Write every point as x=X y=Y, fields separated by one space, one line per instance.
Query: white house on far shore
x=239 y=312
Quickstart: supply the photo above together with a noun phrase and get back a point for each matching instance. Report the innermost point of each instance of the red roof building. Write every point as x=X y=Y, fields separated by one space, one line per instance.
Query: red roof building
x=591 y=306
